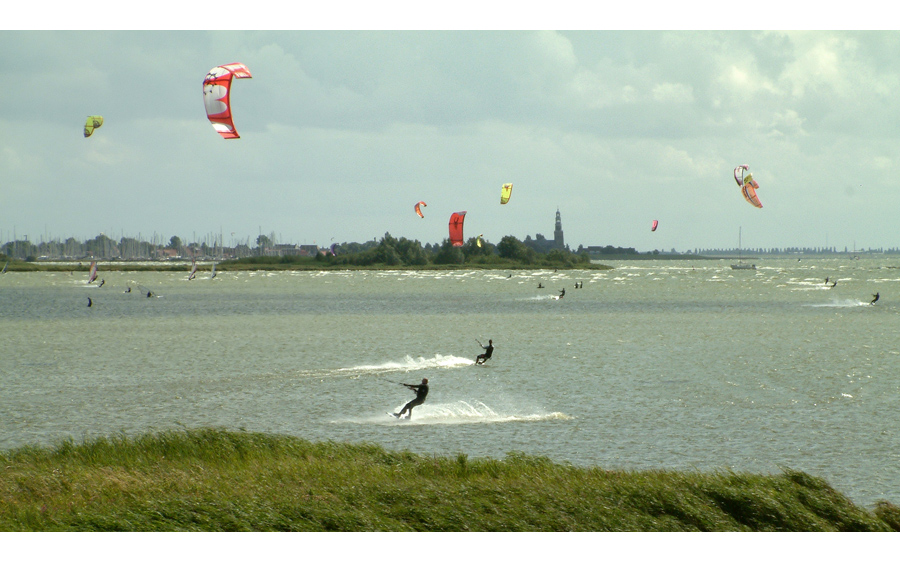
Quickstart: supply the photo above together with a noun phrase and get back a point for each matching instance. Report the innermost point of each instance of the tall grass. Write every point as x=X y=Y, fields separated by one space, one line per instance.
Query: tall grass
x=213 y=480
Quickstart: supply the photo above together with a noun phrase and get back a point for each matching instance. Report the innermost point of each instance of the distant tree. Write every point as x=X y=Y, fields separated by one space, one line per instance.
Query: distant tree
x=411 y=252
x=558 y=257
x=448 y=254
x=512 y=249
x=472 y=250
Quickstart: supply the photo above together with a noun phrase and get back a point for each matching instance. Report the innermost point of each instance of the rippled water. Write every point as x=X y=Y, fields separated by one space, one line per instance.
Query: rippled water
x=655 y=364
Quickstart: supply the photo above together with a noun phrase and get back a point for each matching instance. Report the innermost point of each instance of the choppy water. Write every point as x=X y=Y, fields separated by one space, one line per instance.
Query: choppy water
x=653 y=365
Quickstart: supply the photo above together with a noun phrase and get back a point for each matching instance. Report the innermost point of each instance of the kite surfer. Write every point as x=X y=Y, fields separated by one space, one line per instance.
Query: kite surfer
x=102 y=281
x=876 y=297
x=488 y=351
x=421 y=391
x=562 y=293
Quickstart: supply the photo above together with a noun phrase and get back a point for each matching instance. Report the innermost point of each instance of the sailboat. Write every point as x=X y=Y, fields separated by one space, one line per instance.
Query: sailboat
x=740 y=264
x=93 y=274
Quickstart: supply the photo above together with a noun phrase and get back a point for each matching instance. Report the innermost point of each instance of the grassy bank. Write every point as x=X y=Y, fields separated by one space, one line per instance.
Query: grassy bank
x=213 y=480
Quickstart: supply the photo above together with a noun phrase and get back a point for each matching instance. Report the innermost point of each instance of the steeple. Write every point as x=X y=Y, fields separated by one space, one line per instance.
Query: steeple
x=558 y=241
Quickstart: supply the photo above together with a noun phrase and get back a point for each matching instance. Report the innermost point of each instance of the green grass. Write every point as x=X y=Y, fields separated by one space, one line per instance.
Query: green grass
x=213 y=480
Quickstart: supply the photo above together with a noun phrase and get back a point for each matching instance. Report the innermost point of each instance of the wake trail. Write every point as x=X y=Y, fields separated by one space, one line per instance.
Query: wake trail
x=458 y=413
x=845 y=303
x=408 y=364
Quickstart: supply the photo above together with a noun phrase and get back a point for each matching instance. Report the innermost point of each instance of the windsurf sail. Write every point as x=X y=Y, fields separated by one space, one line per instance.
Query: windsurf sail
x=93 y=273
x=193 y=269
x=217 y=97
x=4 y=267
x=748 y=185
x=93 y=122
x=213 y=276
x=505 y=192
x=418 y=208
x=456 y=228
x=653 y=225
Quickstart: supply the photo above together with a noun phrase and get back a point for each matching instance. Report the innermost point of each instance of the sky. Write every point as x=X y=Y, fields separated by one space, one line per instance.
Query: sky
x=347 y=123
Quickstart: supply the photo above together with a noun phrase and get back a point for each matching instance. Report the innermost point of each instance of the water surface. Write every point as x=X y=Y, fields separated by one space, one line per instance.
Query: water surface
x=652 y=365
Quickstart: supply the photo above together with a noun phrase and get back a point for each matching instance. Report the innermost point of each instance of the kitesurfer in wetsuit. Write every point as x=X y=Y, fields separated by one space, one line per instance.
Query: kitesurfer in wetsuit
x=877 y=296
x=562 y=293
x=421 y=391
x=488 y=351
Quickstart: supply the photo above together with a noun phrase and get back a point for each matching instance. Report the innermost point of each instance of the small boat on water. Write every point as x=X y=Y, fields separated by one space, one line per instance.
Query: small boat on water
x=740 y=264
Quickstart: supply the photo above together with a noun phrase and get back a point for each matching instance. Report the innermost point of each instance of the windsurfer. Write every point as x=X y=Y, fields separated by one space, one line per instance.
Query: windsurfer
x=421 y=391
x=488 y=351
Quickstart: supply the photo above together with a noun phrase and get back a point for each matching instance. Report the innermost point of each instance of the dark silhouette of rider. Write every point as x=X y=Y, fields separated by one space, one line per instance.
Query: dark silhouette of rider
x=488 y=351
x=877 y=296
x=421 y=391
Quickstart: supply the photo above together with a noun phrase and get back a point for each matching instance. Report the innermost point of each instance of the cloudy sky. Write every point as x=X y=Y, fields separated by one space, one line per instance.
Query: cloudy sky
x=342 y=132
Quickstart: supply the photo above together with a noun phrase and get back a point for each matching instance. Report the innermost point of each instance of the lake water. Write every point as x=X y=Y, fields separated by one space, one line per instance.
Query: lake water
x=684 y=365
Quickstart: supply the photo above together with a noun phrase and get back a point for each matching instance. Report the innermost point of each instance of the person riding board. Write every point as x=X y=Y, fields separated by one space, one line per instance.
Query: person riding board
x=488 y=351
x=877 y=296
x=421 y=391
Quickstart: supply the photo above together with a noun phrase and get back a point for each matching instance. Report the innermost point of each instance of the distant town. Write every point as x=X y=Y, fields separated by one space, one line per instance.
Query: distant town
x=212 y=248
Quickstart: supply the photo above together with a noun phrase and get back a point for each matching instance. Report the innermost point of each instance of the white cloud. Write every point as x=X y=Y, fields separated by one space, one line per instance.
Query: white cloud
x=673 y=93
x=343 y=132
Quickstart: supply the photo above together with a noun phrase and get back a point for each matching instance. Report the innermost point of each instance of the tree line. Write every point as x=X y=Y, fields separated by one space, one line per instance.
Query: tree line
x=391 y=251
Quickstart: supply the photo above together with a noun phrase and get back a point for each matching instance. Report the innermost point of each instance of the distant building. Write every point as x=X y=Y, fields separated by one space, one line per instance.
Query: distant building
x=558 y=233
x=309 y=249
x=542 y=245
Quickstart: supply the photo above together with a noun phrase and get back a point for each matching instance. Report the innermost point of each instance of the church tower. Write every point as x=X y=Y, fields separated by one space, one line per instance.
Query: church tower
x=558 y=242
